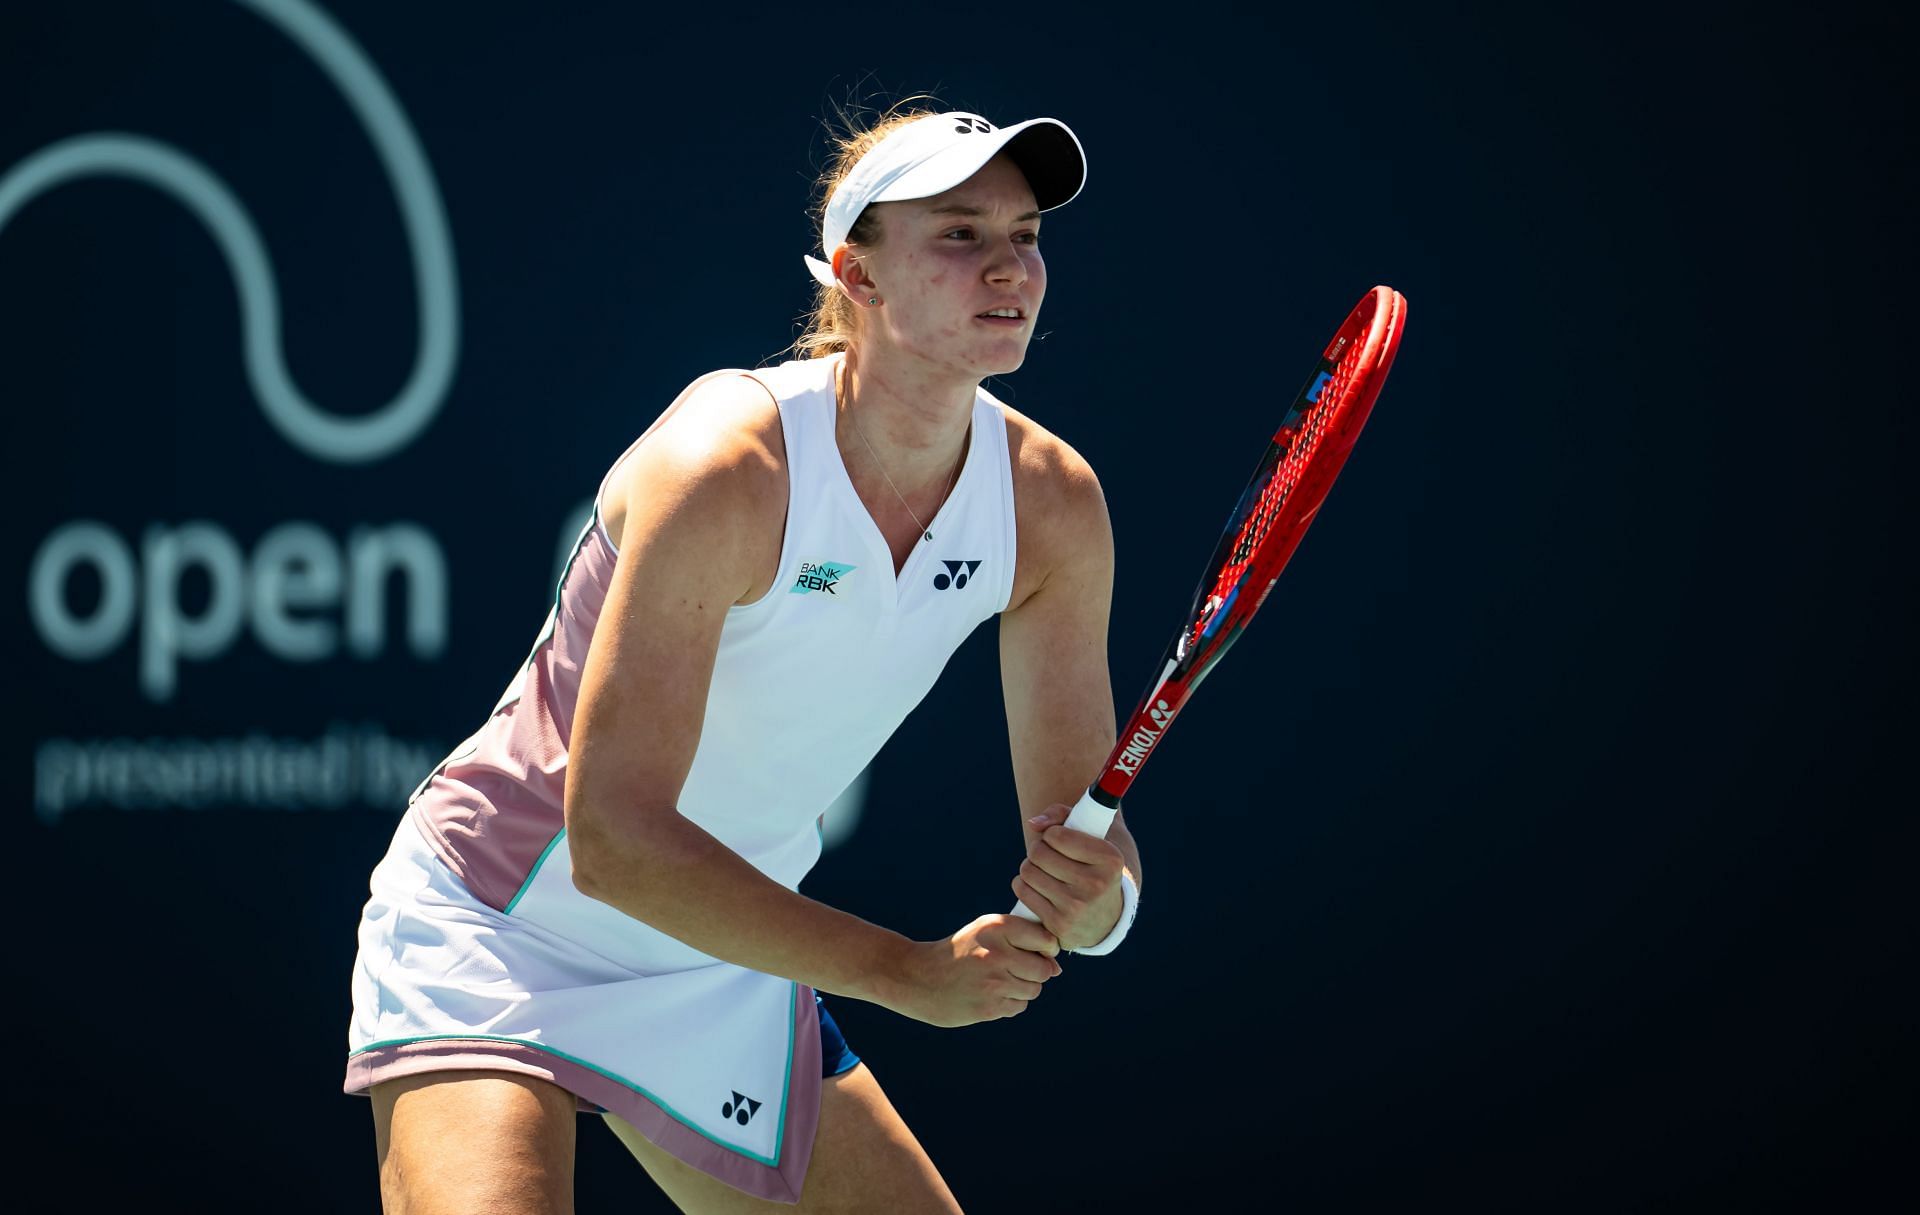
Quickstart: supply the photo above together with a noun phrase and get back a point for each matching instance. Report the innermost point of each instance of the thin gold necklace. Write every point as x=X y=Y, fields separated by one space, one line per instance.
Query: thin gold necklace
x=951 y=478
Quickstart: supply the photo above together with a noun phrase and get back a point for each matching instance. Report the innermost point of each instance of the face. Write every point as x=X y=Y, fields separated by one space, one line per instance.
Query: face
x=959 y=275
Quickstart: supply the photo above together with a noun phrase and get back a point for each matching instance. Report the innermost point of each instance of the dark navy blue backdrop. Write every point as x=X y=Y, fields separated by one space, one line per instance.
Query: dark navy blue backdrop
x=1537 y=851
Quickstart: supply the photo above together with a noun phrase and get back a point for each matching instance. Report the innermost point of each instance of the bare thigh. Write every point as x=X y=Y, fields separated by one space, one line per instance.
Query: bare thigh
x=864 y=1160
x=474 y=1143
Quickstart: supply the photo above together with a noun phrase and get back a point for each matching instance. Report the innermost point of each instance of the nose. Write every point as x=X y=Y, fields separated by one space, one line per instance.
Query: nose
x=1006 y=267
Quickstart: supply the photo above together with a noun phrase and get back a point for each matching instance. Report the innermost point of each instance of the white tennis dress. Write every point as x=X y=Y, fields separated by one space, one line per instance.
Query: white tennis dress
x=476 y=950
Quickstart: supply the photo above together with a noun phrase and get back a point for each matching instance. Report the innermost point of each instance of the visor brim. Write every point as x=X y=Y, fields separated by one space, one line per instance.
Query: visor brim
x=1045 y=151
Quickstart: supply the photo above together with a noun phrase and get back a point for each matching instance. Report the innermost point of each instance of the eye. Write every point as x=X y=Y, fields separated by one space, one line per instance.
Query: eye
x=1027 y=238
x=961 y=233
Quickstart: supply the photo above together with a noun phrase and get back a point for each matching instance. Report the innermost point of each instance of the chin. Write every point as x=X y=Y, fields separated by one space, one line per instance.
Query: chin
x=979 y=362
x=1003 y=362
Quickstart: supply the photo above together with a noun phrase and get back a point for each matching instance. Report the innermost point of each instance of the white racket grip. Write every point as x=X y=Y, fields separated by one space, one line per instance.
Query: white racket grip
x=1088 y=816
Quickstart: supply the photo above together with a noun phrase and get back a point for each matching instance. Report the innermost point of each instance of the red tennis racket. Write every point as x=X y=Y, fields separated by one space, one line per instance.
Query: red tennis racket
x=1266 y=526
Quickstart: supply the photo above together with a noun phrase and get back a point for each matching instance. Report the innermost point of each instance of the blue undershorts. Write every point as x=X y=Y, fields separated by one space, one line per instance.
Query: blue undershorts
x=835 y=1055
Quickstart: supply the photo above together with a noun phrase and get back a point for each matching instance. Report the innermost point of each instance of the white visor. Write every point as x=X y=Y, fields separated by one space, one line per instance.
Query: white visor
x=934 y=154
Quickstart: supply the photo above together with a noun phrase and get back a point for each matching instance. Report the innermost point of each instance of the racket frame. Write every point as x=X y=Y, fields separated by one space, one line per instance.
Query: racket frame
x=1374 y=326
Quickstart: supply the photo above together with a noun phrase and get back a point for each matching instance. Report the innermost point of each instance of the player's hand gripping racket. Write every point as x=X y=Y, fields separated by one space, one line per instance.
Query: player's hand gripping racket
x=1287 y=489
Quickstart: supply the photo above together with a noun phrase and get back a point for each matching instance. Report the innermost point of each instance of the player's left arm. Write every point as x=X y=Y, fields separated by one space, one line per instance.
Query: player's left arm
x=1059 y=696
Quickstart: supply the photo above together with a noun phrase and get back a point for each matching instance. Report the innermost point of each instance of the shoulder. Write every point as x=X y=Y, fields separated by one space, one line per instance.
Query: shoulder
x=729 y=422
x=1060 y=511
x=1047 y=471
x=719 y=445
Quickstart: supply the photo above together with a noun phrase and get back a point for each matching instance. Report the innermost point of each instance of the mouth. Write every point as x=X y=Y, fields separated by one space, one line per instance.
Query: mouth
x=1004 y=316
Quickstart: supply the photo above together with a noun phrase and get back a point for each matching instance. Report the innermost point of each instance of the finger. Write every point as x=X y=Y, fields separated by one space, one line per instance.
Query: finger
x=1079 y=846
x=1057 y=921
x=1060 y=890
x=1013 y=1008
x=1050 y=817
x=1021 y=989
x=1035 y=902
x=1059 y=865
x=1027 y=935
x=1032 y=967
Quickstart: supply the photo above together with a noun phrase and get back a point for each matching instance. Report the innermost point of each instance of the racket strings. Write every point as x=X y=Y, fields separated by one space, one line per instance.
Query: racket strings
x=1283 y=479
x=1313 y=428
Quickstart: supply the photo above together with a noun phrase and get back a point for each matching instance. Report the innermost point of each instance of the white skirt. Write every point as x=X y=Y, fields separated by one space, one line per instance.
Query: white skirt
x=717 y=1065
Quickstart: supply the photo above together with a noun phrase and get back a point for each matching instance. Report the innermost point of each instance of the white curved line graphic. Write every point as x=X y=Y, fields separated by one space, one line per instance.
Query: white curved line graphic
x=321 y=434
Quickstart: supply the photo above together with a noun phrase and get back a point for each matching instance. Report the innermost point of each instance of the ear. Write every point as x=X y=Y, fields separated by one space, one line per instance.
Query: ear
x=852 y=273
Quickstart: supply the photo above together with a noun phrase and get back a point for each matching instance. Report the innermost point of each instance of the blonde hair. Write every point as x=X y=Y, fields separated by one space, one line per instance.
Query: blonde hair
x=830 y=327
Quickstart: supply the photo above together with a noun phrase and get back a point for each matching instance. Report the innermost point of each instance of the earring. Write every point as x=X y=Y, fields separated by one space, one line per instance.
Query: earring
x=873 y=301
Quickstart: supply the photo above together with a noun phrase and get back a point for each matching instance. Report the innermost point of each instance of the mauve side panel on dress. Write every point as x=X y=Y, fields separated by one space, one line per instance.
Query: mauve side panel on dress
x=491 y=814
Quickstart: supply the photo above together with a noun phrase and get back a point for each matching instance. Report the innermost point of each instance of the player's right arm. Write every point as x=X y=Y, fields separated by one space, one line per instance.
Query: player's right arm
x=705 y=500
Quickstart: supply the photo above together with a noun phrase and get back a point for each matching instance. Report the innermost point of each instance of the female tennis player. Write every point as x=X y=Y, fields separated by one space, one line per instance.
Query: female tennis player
x=592 y=905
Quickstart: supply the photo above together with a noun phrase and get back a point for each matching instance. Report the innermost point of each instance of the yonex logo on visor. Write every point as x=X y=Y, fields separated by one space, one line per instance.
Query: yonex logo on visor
x=928 y=156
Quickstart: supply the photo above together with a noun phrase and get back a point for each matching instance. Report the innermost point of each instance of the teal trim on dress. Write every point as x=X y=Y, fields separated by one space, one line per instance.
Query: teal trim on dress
x=786 y=1090
x=793 y=1003
x=532 y=873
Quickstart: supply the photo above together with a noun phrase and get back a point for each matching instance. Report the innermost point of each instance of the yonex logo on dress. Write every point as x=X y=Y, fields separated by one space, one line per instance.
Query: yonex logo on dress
x=821 y=576
x=958 y=572
x=740 y=1109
